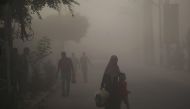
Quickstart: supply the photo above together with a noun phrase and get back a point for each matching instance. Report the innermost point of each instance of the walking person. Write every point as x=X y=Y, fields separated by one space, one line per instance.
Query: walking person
x=84 y=62
x=114 y=85
x=123 y=90
x=75 y=62
x=65 y=67
x=15 y=71
x=15 y=68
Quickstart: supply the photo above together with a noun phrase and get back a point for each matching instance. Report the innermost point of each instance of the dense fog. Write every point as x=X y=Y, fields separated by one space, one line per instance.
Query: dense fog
x=151 y=39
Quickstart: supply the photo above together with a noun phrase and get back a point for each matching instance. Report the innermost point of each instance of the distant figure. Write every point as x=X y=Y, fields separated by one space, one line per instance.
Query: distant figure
x=84 y=61
x=75 y=62
x=15 y=71
x=65 y=66
x=114 y=85
x=24 y=71
x=15 y=67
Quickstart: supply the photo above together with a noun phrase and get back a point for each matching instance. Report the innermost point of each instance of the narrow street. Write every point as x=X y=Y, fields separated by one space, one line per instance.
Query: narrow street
x=150 y=90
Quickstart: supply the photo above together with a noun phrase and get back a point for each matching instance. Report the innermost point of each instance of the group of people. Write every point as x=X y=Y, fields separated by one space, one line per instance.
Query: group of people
x=114 y=81
x=68 y=67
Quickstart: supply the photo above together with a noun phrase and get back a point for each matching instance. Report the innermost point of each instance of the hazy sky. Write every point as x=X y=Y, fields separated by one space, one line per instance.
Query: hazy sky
x=115 y=27
x=111 y=24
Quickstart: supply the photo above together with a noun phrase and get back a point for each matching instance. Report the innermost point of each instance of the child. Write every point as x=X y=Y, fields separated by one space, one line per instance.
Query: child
x=122 y=88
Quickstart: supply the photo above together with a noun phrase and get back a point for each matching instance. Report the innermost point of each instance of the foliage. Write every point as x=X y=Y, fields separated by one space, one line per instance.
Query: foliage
x=21 y=11
x=42 y=50
x=43 y=47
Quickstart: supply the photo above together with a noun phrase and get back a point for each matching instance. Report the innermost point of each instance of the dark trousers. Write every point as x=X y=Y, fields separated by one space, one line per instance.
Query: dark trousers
x=113 y=103
x=85 y=73
x=74 y=76
x=23 y=85
x=66 y=84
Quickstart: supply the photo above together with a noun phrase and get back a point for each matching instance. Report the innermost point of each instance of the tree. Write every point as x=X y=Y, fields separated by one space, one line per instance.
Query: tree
x=42 y=50
x=18 y=12
x=43 y=47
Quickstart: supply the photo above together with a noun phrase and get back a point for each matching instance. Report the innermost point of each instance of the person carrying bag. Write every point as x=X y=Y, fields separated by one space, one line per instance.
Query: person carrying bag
x=111 y=84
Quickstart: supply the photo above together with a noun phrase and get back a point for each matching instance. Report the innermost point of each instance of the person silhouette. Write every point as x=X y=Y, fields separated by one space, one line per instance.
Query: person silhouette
x=123 y=90
x=14 y=76
x=75 y=62
x=15 y=67
x=114 y=85
x=84 y=62
x=65 y=66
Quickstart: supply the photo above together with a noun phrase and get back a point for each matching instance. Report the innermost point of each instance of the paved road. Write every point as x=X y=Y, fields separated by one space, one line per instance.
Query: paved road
x=151 y=89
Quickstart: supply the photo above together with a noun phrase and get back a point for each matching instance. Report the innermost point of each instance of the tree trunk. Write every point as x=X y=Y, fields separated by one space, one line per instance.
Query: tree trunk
x=9 y=43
